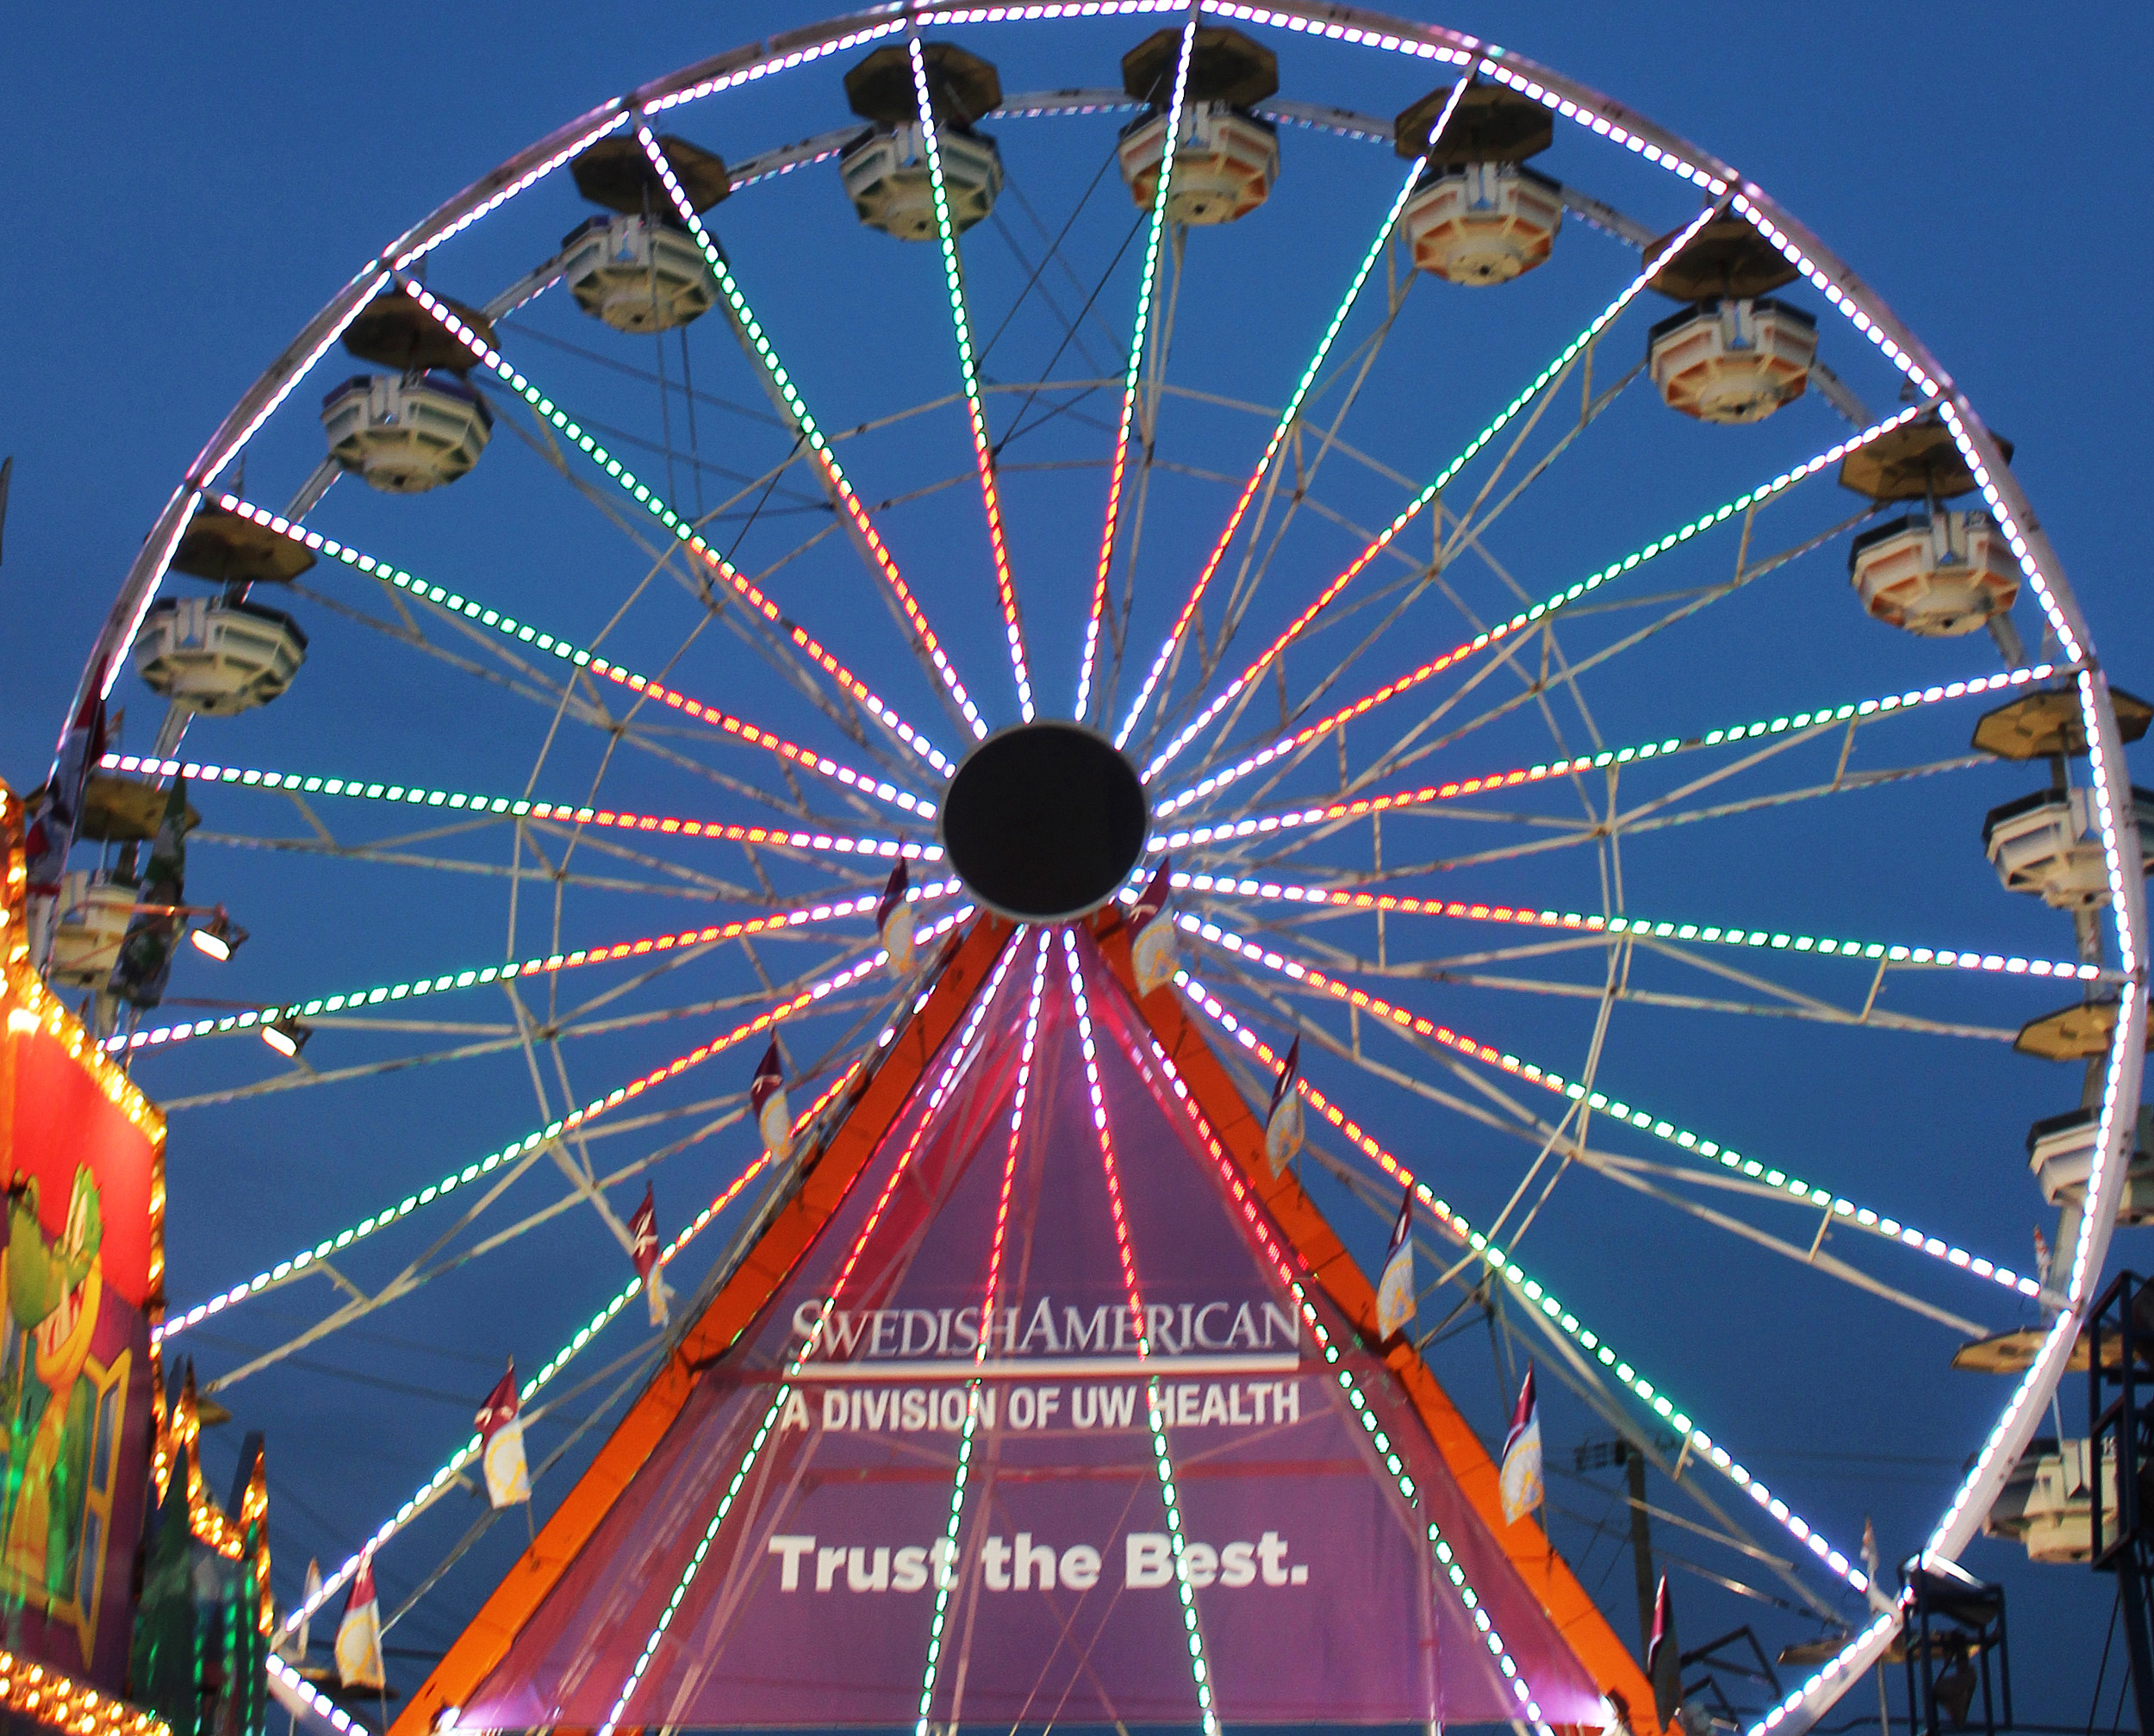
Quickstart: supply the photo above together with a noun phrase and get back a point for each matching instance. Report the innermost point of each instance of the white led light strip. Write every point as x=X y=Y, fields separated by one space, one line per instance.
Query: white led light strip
x=1532 y=1292
x=1162 y=1459
x=1843 y=1210
x=960 y=1054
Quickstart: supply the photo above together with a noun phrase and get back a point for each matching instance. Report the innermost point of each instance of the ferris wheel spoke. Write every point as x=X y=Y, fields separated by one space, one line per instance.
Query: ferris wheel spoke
x=1147 y=278
x=1415 y=1028
x=1344 y=900
x=1299 y=739
x=968 y=374
x=504 y=632
x=786 y=396
x=1288 y=418
x=1537 y=1299
x=516 y=1150
x=682 y=530
x=1548 y=377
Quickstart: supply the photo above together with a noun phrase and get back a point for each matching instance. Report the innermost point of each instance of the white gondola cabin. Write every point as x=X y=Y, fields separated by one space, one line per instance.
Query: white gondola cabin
x=1226 y=157
x=638 y=274
x=218 y=656
x=1732 y=361
x=1938 y=574
x=2040 y=844
x=885 y=170
x=406 y=434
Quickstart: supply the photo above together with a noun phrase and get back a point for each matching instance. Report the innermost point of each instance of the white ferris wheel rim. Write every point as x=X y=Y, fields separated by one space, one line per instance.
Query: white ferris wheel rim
x=1587 y=107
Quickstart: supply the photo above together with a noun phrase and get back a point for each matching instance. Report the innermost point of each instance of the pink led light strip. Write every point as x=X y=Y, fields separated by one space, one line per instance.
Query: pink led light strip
x=306 y=1259
x=517 y=808
x=2064 y=970
x=509 y=627
x=1535 y=1296
x=766 y=356
x=1842 y=1210
x=1412 y=510
x=942 y=1587
x=1145 y=285
x=683 y=531
x=1162 y=1459
x=482 y=976
x=1286 y=420
x=983 y=452
x=1362 y=807
x=1301 y=737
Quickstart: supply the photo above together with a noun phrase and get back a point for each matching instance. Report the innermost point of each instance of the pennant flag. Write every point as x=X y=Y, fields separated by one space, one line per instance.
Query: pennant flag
x=502 y=1443
x=1663 y=1621
x=1522 y=1486
x=1152 y=952
x=52 y=831
x=2041 y=1257
x=893 y=921
x=642 y=1237
x=1283 y=1124
x=309 y=1597
x=766 y=1097
x=145 y=963
x=360 y=1634
x=1395 y=1289
x=1869 y=1549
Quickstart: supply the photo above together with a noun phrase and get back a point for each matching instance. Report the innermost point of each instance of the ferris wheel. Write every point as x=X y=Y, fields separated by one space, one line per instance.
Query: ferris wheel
x=1578 y=685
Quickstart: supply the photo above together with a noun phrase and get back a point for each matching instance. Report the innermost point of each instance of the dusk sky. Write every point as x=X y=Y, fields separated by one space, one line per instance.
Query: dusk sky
x=188 y=190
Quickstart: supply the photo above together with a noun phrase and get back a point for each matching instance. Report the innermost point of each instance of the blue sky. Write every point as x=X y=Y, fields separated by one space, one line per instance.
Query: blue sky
x=189 y=189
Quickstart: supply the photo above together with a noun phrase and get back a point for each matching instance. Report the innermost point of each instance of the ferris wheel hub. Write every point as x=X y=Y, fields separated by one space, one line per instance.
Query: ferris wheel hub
x=1044 y=821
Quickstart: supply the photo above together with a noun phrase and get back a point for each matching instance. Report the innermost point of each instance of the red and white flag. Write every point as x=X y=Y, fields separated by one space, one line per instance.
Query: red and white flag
x=1394 y=1304
x=1662 y=1624
x=1152 y=949
x=360 y=1634
x=766 y=1097
x=1282 y=1128
x=643 y=1248
x=1521 y=1480
x=53 y=814
x=502 y=1443
x=893 y=921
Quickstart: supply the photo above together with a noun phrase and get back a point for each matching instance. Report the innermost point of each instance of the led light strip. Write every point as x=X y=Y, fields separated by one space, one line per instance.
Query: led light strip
x=1359 y=807
x=1287 y=419
x=983 y=453
x=1844 y=1211
x=540 y=964
x=567 y=812
x=509 y=627
x=684 y=532
x=1753 y=497
x=2064 y=970
x=1535 y=1296
x=944 y=1583
x=1442 y=1557
x=531 y=1142
x=1413 y=508
x=960 y=1055
x=1162 y=1459
x=1145 y=284
x=751 y=329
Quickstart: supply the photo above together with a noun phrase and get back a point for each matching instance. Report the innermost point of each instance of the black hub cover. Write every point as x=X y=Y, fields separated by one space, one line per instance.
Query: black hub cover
x=1044 y=822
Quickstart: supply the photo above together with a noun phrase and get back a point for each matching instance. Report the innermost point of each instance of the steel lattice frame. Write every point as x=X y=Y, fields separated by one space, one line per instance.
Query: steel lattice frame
x=1258 y=948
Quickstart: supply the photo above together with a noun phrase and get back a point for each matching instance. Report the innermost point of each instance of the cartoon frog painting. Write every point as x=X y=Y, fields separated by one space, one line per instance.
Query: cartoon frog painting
x=54 y=1292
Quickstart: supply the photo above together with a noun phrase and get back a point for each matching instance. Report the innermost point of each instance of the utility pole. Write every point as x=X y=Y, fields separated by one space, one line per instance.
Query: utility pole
x=1667 y=1676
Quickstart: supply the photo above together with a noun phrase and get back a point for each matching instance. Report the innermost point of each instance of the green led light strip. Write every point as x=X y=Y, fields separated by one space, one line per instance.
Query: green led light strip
x=1843 y=1210
x=424 y=1496
x=306 y=1258
x=1528 y=616
x=1414 y=507
x=682 y=529
x=1539 y=1297
x=254 y=1017
x=2064 y=970
x=751 y=329
x=1362 y=807
x=458 y=801
x=509 y=627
